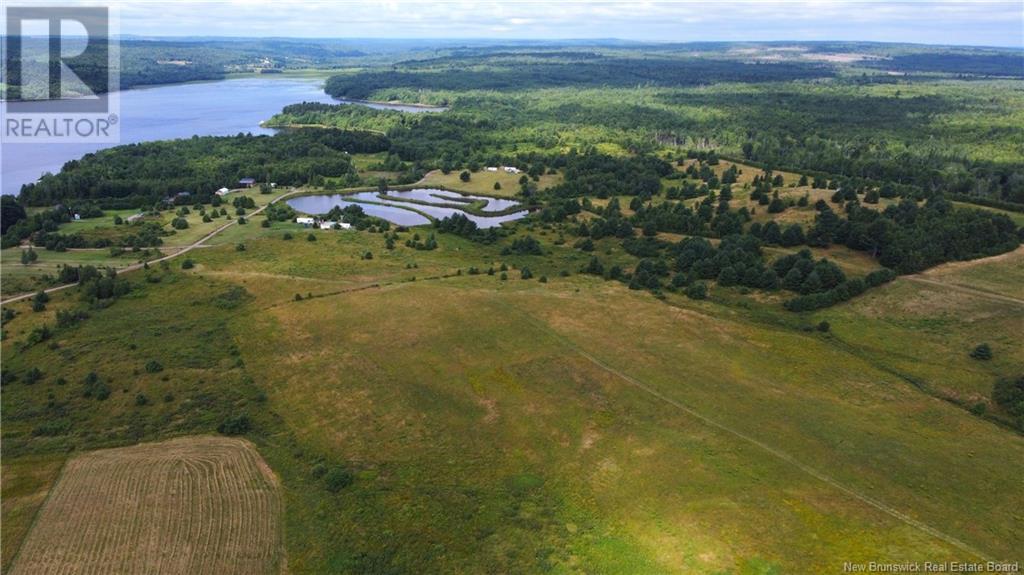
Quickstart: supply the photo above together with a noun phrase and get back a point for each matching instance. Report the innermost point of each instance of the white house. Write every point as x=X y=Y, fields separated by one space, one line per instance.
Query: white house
x=511 y=169
x=491 y=169
x=305 y=221
x=223 y=192
x=330 y=225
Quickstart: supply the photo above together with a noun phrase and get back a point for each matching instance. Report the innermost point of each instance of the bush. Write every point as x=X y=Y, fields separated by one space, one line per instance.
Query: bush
x=311 y=237
x=239 y=247
x=697 y=290
x=526 y=274
x=141 y=400
x=287 y=236
x=33 y=375
x=235 y=425
x=154 y=366
x=824 y=327
x=179 y=224
x=982 y=352
x=337 y=478
x=187 y=264
x=1008 y=393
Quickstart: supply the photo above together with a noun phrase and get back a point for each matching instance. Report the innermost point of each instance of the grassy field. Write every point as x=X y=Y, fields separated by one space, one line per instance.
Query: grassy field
x=111 y=511
x=482 y=182
x=19 y=278
x=26 y=483
x=568 y=426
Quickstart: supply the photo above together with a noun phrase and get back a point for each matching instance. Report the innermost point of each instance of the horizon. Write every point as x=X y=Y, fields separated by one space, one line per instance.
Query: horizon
x=991 y=23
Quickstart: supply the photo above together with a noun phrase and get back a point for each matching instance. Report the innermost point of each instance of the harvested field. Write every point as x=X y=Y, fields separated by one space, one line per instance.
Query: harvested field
x=189 y=505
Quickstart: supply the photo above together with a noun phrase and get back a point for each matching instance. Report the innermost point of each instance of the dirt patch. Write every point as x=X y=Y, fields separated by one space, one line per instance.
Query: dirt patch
x=189 y=505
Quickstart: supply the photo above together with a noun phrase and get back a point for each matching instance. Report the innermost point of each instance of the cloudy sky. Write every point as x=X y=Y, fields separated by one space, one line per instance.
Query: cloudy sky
x=987 y=23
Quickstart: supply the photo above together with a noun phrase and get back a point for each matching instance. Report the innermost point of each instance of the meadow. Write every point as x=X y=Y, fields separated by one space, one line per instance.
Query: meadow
x=511 y=425
x=619 y=383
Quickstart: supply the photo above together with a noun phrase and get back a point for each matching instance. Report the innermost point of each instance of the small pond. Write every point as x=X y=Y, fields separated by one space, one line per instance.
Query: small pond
x=404 y=213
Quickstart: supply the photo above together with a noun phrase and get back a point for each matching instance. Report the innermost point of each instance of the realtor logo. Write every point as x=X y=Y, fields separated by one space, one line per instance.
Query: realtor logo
x=61 y=75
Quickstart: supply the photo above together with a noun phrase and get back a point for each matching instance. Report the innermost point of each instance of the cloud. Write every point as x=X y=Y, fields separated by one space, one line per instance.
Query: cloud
x=929 y=21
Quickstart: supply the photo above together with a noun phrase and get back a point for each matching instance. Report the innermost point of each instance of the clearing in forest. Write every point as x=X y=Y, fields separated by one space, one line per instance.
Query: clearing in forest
x=189 y=505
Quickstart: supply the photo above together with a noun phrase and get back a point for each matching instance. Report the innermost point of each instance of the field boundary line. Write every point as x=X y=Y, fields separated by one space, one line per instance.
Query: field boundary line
x=35 y=516
x=779 y=454
x=930 y=280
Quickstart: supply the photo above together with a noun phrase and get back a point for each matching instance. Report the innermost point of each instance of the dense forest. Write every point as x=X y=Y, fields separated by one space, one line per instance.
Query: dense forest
x=141 y=174
x=520 y=73
x=939 y=136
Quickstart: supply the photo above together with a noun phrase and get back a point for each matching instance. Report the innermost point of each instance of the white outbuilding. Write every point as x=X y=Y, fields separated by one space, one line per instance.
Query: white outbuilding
x=305 y=221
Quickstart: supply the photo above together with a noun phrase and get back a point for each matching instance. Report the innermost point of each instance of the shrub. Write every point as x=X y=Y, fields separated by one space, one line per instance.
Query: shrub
x=824 y=327
x=154 y=366
x=1008 y=393
x=287 y=236
x=187 y=264
x=179 y=223
x=235 y=425
x=982 y=352
x=141 y=400
x=337 y=478
x=33 y=375
x=526 y=274
x=239 y=247
x=697 y=290
x=311 y=237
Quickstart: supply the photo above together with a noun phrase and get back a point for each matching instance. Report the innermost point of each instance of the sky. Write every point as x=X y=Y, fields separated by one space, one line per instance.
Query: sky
x=979 y=23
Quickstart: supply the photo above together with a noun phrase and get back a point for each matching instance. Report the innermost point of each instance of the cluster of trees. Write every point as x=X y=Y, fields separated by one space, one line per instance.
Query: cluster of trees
x=909 y=238
x=355 y=215
x=461 y=225
x=141 y=174
x=526 y=246
x=599 y=175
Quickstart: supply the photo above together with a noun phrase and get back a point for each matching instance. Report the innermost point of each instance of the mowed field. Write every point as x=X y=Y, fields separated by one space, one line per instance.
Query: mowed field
x=188 y=505
x=573 y=426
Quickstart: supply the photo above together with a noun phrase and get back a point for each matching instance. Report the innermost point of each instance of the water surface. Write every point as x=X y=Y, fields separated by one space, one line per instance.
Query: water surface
x=221 y=108
x=397 y=211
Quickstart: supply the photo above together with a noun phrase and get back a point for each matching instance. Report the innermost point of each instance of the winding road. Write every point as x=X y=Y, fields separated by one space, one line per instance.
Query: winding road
x=184 y=250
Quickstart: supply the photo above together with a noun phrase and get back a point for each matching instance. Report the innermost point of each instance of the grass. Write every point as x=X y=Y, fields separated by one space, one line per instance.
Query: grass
x=510 y=426
x=482 y=182
x=221 y=483
x=26 y=484
x=20 y=278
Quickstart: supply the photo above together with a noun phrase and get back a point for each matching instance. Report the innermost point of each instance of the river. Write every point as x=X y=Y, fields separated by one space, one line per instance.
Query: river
x=220 y=108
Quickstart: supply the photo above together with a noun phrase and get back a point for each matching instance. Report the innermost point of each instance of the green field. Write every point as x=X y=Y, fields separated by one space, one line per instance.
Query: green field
x=517 y=426
x=743 y=330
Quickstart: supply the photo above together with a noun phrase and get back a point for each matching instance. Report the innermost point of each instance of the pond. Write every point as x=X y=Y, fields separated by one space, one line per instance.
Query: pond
x=404 y=213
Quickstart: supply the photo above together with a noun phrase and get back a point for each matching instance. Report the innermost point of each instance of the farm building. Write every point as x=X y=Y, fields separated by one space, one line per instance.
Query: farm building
x=491 y=169
x=511 y=169
x=305 y=221
x=223 y=192
x=247 y=182
x=331 y=225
